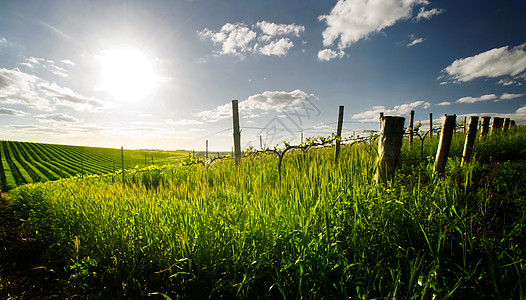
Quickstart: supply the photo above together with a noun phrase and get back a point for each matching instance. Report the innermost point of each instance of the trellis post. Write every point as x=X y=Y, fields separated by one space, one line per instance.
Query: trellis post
x=389 y=145
x=411 y=120
x=446 y=136
x=338 y=134
x=237 y=132
x=497 y=125
x=485 y=126
x=430 y=124
x=470 y=140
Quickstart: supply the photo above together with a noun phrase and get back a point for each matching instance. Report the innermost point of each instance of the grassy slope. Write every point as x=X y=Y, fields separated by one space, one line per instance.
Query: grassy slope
x=324 y=231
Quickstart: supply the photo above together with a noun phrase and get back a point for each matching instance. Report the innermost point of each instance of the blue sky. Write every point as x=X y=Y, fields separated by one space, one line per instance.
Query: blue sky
x=162 y=74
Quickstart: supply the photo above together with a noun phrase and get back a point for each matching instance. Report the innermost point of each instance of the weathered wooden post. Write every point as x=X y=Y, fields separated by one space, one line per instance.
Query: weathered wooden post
x=206 y=153
x=465 y=124
x=260 y=142
x=430 y=124
x=485 y=126
x=391 y=135
x=237 y=132
x=446 y=136
x=301 y=139
x=338 y=134
x=411 y=120
x=497 y=125
x=122 y=163
x=506 y=124
x=470 y=140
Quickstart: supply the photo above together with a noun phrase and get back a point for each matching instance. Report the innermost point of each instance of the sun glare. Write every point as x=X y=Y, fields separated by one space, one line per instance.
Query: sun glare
x=126 y=73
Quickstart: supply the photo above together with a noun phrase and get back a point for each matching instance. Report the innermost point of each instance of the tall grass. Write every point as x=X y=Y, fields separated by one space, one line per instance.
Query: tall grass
x=324 y=230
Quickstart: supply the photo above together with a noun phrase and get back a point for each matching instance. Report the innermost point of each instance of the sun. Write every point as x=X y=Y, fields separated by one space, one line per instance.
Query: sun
x=126 y=73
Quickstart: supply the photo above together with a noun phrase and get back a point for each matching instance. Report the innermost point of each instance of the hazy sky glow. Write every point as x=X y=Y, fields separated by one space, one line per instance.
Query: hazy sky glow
x=162 y=74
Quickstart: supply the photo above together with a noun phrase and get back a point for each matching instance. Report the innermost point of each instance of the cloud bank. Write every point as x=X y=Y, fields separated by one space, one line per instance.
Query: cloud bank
x=350 y=21
x=12 y=112
x=489 y=97
x=277 y=101
x=373 y=114
x=265 y=38
x=497 y=62
x=17 y=87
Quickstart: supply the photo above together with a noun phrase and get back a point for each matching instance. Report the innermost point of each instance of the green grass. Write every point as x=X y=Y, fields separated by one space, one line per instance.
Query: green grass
x=322 y=231
x=24 y=162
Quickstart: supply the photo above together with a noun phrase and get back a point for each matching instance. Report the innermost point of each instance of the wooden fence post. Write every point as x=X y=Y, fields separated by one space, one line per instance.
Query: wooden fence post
x=465 y=124
x=470 y=140
x=237 y=132
x=497 y=125
x=260 y=142
x=411 y=120
x=446 y=136
x=391 y=135
x=206 y=155
x=122 y=163
x=506 y=124
x=430 y=124
x=338 y=134
x=485 y=126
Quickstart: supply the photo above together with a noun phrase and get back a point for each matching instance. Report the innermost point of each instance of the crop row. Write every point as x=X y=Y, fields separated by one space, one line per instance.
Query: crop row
x=24 y=162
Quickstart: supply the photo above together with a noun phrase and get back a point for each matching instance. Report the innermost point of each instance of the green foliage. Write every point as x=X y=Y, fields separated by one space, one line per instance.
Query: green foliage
x=324 y=230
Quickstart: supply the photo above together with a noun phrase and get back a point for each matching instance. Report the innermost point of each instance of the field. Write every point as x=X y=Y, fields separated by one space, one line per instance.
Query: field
x=320 y=230
x=23 y=162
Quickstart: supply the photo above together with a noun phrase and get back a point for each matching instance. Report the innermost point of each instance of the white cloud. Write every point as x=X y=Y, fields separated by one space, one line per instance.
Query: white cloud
x=415 y=40
x=493 y=63
x=240 y=40
x=46 y=64
x=427 y=14
x=67 y=97
x=486 y=97
x=12 y=112
x=445 y=103
x=183 y=122
x=3 y=42
x=216 y=114
x=279 y=101
x=68 y=62
x=58 y=117
x=508 y=81
x=328 y=54
x=234 y=38
x=520 y=114
x=350 y=21
x=278 y=47
x=507 y=96
x=273 y=29
x=17 y=87
x=373 y=114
